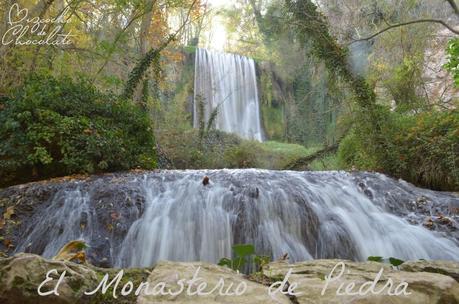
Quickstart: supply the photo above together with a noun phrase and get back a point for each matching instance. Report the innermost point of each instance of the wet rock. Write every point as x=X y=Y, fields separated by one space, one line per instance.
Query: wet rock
x=429 y=224
x=445 y=220
x=454 y=207
x=252 y=192
x=113 y=202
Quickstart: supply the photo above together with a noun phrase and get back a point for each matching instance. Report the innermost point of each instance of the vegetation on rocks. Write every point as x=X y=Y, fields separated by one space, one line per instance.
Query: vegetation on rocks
x=423 y=149
x=54 y=127
x=186 y=150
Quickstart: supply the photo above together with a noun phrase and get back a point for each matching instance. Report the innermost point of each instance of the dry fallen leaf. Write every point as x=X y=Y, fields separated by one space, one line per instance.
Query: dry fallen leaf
x=8 y=243
x=8 y=213
x=73 y=250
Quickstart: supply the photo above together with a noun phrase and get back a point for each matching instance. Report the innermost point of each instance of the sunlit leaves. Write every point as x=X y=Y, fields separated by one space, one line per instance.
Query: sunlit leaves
x=453 y=63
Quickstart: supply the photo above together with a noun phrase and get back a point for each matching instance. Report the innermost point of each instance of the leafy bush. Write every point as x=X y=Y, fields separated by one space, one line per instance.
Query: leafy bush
x=422 y=149
x=242 y=156
x=53 y=127
x=186 y=150
x=453 y=62
x=393 y=261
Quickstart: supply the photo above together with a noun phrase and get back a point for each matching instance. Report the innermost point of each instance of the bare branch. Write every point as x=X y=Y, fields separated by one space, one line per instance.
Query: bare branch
x=454 y=6
x=455 y=31
x=138 y=72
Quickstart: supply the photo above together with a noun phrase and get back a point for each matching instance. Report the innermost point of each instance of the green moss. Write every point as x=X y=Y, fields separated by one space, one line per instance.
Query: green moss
x=273 y=122
x=189 y=49
x=136 y=276
x=17 y=281
x=329 y=162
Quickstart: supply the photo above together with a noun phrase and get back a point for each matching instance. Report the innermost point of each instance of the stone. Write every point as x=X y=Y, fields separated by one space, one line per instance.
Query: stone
x=211 y=274
x=21 y=275
x=425 y=287
x=429 y=282
x=448 y=268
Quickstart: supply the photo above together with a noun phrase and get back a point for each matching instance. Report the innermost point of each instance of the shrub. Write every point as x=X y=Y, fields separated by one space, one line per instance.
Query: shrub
x=242 y=156
x=422 y=149
x=52 y=127
x=453 y=61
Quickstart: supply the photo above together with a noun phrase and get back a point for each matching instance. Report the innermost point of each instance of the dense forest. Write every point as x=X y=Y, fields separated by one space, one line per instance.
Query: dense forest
x=107 y=85
x=255 y=145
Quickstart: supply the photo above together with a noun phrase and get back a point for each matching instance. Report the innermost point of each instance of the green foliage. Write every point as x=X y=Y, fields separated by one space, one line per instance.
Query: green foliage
x=453 y=62
x=204 y=129
x=244 y=254
x=138 y=72
x=375 y=259
x=422 y=149
x=393 y=261
x=242 y=156
x=312 y=25
x=186 y=150
x=352 y=153
x=56 y=127
x=396 y=262
x=328 y=162
x=404 y=85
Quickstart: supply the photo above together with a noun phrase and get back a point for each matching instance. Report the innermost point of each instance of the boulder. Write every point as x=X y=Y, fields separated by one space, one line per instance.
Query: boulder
x=425 y=287
x=448 y=268
x=428 y=282
x=168 y=272
x=21 y=275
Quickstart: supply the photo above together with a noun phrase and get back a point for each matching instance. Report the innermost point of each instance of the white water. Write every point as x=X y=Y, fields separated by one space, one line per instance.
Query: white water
x=63 y=221
x=227 y=82
x=326 y=218
x=305 y=214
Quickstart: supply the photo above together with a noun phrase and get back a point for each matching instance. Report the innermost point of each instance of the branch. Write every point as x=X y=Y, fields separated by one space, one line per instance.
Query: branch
x=300 y=163
x=117 y=38
x=142 y=66
x=454 y=6
x=408 y=23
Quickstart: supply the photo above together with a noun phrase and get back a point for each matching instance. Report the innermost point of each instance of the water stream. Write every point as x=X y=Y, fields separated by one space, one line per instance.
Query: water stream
x=227 y=83
x=137 y=219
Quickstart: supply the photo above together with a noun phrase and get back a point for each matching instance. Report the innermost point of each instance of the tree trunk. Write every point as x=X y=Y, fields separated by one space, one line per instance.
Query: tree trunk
x=141 y=92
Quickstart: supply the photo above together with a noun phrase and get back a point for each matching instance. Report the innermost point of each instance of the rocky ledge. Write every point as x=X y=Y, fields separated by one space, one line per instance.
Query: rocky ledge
x=426 y=282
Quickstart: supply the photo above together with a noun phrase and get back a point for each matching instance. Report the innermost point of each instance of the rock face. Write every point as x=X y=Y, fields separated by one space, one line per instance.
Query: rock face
x=429 y=282
x=138 y=218
x=438 y=82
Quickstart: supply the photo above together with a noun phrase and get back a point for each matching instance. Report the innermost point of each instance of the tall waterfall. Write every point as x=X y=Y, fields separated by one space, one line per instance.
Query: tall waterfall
x=227 y=83
x=136 y=219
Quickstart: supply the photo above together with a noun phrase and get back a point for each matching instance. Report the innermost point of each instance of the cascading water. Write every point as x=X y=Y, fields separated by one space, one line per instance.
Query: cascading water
x=136 y=219
x=227 y=83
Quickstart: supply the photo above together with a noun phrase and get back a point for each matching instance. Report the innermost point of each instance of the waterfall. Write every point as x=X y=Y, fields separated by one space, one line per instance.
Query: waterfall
x=136 y=219
x=227 y=83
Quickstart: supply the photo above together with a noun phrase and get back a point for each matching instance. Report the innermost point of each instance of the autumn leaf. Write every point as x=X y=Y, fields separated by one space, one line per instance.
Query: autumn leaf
x=8 y=213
